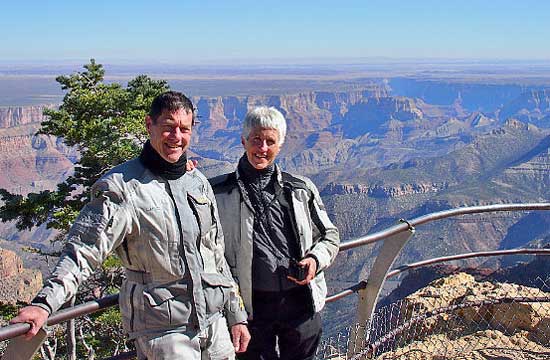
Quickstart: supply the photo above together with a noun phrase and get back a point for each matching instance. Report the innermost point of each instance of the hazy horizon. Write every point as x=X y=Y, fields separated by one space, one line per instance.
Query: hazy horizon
x=243 y=30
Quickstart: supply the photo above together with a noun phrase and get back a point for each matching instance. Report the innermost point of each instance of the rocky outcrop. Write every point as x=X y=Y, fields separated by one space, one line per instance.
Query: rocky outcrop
x=17 y=284
x=10 y=264
x=478 y=318
x=512 y=329
x=481 y=345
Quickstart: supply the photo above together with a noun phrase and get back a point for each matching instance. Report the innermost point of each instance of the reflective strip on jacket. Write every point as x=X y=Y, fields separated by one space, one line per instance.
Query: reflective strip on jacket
x=316 y=233
x=134 y=213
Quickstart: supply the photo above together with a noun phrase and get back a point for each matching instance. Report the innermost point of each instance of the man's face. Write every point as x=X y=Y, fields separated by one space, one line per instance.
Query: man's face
x=262 y=147
x=170 y=134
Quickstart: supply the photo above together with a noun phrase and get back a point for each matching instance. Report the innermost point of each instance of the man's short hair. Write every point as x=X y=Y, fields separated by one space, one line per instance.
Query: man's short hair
x=264 y=117
x=170 y=101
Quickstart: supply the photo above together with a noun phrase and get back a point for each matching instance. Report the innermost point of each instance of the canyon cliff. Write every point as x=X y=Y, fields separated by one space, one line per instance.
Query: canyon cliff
x=17 y=284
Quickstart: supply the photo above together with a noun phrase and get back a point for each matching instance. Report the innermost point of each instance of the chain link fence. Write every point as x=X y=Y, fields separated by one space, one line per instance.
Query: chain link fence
x=455 y=317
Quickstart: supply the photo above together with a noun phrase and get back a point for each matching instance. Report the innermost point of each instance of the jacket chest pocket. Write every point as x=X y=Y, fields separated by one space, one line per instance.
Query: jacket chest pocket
x=204 y=212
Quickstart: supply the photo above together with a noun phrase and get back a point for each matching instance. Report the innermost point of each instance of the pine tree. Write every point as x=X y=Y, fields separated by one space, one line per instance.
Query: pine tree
x=105 y=123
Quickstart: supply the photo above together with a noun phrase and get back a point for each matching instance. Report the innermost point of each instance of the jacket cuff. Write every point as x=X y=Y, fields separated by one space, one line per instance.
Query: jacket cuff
x=41 y=302
x=238 y=317
x=316 y=262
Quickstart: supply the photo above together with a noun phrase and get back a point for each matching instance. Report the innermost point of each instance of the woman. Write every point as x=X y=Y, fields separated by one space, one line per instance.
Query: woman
x=278 y=241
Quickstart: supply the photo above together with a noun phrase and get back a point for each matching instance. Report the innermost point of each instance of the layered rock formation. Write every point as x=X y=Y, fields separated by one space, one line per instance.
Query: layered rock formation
x=531 y=106
x=17 y=284
x=21 y=115
x=378 y=191
x=472 y=96
x=29 y=162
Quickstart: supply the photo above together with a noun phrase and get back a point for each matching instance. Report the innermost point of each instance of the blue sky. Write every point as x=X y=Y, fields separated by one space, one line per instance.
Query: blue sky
x=194 y=32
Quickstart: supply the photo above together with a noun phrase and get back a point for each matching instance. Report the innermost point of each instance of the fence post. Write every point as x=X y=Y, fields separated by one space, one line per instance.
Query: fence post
x=368 y=296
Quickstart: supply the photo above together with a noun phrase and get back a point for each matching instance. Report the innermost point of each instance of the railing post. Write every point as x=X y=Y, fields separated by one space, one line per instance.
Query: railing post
x=369 y=295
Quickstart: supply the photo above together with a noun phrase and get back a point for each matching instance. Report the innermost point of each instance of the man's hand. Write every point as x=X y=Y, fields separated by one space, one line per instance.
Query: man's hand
x=33 y=315
x=310 y=265
x=191 y=165
x=240 y=336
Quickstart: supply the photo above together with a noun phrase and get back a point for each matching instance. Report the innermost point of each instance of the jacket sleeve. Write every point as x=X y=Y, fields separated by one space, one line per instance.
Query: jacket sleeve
x=99 y=228
x=234 y=307
x=326 y=238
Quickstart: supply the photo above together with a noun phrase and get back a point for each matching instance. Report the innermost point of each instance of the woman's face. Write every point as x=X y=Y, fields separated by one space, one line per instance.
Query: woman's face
x=262 y=147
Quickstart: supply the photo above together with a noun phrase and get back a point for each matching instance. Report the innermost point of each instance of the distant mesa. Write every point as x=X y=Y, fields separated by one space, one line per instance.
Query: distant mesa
x=378 y=191
x=17 y=284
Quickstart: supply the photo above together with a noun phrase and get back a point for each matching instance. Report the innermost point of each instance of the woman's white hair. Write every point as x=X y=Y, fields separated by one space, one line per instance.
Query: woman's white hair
x=264 y=117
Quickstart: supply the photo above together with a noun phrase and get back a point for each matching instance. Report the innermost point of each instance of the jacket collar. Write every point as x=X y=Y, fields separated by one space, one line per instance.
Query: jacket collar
x=278 y=176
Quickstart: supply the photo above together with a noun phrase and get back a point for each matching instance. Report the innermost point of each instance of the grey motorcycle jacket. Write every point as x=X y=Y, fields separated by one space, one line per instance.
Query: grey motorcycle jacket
x=317 y=236
x=168 y=236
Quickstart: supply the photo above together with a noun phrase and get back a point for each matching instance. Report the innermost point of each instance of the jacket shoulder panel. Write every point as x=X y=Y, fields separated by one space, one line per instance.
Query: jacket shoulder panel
x=223 y=183
x=120 y=179
x=296 y=181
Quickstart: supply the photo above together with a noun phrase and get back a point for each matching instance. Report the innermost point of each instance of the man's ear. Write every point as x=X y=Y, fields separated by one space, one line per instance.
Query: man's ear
x=148 y=123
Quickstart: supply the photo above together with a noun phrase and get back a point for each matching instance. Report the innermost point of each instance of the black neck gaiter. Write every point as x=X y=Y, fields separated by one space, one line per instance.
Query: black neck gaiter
x=251 y=174
x=158 y=166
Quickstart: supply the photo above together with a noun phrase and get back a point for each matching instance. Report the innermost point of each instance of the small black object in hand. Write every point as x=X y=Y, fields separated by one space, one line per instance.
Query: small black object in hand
x=296 y=271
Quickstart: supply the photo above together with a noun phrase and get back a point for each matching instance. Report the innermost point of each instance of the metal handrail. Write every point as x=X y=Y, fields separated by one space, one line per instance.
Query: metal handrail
x=86 y=308
x=362 y=284
x=433 y=261
x=11 y=331
x=405 y=225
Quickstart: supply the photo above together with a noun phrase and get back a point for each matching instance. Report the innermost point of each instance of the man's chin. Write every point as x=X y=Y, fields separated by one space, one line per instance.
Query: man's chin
x=172 y=158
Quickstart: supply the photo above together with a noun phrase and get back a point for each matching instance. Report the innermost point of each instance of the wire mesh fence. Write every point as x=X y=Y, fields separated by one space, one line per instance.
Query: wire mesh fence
x=455 y=317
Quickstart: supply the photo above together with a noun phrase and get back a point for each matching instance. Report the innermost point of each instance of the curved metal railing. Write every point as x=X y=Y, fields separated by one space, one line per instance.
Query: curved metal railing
x=406 y=224
x=12 y=331
x=363 y=283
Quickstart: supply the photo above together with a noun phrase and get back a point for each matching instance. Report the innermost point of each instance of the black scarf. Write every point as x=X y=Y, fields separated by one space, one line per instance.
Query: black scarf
x=158 y=166
x=257 y=186
x=250 y=174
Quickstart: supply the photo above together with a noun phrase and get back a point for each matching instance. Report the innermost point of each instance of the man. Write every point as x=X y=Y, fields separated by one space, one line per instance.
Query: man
x=279 y=240
x=163 y=224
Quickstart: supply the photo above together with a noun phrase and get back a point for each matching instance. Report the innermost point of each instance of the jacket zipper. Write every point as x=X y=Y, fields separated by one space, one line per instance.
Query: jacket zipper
x=288 y=196
x=193 y=207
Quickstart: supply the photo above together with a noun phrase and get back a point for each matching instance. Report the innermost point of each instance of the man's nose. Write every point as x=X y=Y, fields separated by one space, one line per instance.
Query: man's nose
x=176 y=132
